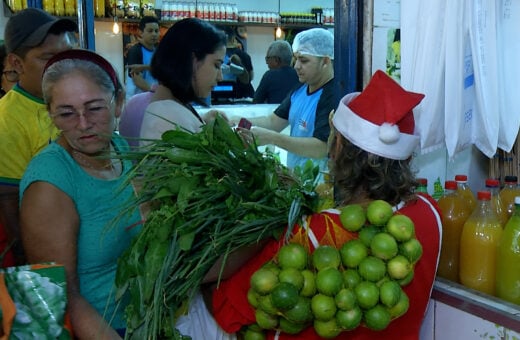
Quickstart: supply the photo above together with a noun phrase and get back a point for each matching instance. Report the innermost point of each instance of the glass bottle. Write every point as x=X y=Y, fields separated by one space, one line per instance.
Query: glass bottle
x=508 y=259
x=59 y=8
x=454 y=214
x=493 y=186
x=465 y=190
x=423 y=185
x=479 y=246
x=508 y=194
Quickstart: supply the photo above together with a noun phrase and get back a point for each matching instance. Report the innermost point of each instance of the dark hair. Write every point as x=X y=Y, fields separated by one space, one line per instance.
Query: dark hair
x=356 y=171
x=146 y=20
x=172 y=61
x=3 y=54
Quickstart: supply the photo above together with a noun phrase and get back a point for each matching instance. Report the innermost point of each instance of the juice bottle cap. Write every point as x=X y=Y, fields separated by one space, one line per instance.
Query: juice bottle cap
x=517 y=200
x=461 y=178
x=422 y=181
x=450 y=185
x=511 y=179
x=491 y=182
x=484 y=195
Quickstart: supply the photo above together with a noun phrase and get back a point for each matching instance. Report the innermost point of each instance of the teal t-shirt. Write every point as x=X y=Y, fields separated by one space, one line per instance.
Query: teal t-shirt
x=98 y=202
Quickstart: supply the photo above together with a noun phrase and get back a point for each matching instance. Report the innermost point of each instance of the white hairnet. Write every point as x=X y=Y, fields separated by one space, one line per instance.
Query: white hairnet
x=317 y=42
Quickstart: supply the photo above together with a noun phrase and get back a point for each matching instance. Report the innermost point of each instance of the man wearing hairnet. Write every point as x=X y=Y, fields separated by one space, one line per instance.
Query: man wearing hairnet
x=307 y=108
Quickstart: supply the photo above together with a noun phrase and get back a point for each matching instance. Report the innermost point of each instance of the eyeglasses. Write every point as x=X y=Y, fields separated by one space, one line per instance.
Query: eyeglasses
x=95 y=111
x=10 y=75
x=269 y=58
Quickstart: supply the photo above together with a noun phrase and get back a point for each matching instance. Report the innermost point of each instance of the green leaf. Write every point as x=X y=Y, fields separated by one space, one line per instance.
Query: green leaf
x=185 y=241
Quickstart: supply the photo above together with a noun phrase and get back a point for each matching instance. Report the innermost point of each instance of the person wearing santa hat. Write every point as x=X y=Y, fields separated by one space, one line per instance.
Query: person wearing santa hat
x=371 y=144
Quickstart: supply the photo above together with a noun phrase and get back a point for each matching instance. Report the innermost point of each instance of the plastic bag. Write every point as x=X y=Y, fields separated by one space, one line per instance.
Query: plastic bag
x=33 y=300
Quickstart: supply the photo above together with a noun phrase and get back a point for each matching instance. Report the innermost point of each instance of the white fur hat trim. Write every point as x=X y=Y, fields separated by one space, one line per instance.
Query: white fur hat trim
x=370 y=137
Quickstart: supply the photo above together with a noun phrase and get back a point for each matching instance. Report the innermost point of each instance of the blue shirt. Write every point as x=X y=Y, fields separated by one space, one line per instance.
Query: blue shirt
x=98 y=203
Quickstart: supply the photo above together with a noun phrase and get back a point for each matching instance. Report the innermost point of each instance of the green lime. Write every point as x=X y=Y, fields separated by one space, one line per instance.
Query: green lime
x=372 y=268
x=265 y=320
x=327 y=329
x=345 y=299
x=384 y=246
x=284 y=296
x=290 y=327
x=399 y=267
x=367 y=233
x=309 y=283
x=293 y=276
x=379 y=212
x=301 y=312
x=351 y=278
x=407 y=279
x=411 y=249
x=325 y=256
x=352 y=217
x=293 y=255
x=377 y=318
x=329 y=281
x=323 y=307
x=252 y=298
x=265 y=304
x=349 y=319
x=401 y=227
x=401 y=306
x=389 y=293
x=263 y=281
x=367 y=294
x=254 y=335
x=352 y=253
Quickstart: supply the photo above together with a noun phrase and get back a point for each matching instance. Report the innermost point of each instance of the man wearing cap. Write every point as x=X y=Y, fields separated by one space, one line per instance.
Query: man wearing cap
x=32 y=37
x=306 y=109
x=371 y=144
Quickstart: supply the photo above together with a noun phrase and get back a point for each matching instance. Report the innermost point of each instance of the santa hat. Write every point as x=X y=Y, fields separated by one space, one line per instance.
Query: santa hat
x=380 y=119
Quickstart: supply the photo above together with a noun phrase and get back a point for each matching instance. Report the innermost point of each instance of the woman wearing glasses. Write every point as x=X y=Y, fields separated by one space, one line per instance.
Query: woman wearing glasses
x=9 y=77
x=73 y=190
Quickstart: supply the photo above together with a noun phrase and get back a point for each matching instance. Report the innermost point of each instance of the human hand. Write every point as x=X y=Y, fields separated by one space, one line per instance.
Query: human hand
x=137 y=68
x=261 y=135
x=212 y=114
x=235 y=59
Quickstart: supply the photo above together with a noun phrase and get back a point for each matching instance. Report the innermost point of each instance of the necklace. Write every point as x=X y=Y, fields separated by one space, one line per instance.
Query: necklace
x=109 y=170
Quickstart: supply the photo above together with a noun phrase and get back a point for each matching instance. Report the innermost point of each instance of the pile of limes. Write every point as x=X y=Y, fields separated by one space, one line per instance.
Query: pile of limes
x=337 y=290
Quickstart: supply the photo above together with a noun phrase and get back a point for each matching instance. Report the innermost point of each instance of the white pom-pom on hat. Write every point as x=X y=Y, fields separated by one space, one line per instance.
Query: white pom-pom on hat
x=389 y=133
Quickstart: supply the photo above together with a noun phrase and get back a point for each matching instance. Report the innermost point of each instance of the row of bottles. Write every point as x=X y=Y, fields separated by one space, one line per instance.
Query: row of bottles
x=56 y=7
x=481 y=243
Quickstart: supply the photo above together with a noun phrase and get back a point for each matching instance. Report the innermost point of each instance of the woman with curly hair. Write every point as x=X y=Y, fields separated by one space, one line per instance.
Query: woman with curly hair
x=370 y=148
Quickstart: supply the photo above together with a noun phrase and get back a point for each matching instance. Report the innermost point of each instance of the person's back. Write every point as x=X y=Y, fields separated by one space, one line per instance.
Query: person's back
x=281 y=77
x=239 y=67
x=31 y=36
x=132 y=117
x=370 y=148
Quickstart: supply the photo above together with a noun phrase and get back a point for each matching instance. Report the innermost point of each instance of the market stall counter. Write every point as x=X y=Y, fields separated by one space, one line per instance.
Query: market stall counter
x=250 y=111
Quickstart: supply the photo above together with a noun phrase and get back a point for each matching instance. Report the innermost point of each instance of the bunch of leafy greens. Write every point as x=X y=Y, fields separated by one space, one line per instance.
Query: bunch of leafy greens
x=209 y=194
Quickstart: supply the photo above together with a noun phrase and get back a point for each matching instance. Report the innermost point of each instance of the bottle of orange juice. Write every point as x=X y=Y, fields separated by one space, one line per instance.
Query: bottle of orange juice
x=465 y=190
x=479 y=246
x=508 y=259
x=493 y=186
x=508 y=194
x=454 y=214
